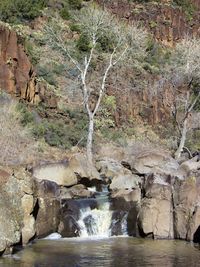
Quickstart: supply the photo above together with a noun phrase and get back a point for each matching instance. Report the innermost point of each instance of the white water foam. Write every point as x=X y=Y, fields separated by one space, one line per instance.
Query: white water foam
x=95 y=222
x=92 y=189
x=53 y=236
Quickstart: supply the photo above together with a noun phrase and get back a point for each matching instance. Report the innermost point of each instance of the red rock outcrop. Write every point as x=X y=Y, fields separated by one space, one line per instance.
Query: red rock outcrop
x=168 y=23
x=16 y=72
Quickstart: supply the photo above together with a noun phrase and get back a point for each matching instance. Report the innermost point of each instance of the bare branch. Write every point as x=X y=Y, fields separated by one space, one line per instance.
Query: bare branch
x=123 y=40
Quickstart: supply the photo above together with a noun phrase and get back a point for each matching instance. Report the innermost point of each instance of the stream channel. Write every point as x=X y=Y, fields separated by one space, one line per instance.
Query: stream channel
x=102 y=241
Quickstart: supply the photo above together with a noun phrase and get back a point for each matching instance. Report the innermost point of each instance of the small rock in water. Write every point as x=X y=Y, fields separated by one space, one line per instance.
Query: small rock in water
x=53 y=236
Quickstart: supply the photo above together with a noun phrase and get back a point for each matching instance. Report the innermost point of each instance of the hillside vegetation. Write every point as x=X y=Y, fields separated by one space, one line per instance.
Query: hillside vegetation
x=144 y=101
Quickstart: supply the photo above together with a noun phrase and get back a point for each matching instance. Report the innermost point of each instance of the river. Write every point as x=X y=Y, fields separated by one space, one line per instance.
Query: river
x=108 y=252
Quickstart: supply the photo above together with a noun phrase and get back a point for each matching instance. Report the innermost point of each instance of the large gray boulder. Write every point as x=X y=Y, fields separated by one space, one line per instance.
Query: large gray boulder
x=186 y=198
x=67 y=172
x=10 y=221
x=109 y=167
x=188 y=167
x=17 y=204
x=156 y=212
x=120 y=177
x=153 y=161
x=28 y=230
x=58 y=172
x=47 y=207
x=16 y=207
x=128 y=181
x=129 y=195
x=76 y=191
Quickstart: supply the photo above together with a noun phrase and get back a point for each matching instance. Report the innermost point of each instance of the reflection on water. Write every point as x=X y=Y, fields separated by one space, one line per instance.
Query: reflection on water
x=118 y=252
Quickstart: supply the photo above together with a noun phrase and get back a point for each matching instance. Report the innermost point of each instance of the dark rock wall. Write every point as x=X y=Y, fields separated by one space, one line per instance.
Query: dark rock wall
x=168 y=23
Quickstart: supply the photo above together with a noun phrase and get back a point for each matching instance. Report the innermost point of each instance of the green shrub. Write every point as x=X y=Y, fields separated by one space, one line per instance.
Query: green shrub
x=106 y=43
x=64 y=13
x=27 y=117
x=47 y=73
x=153 y=24
x=32 y=52
x=110 y=102
x=64 y=136
x=50 y=71
x=18 y=10
x=39 y=130
x=193 y=140
x=157 y=57
x=83 y=43
x=58 y=68
x=187 y=6
x=75 y=27
x=114 y=135
x=61 y=134
x=105 y=118
x=75 y=4
x=68 y=6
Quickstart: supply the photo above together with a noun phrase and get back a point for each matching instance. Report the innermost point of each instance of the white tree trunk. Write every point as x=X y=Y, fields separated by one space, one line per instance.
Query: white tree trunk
x=182 y=141
x=90 y=139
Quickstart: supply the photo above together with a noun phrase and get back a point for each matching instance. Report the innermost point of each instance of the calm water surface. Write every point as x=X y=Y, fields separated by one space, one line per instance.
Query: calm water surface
x=118 y=252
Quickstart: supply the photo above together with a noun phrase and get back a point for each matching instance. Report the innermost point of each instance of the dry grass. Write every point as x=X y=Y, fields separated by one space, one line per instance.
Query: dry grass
x=16 y=144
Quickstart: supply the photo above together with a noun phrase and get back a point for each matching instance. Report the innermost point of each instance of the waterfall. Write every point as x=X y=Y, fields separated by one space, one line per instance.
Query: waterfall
x=96 y=222
x=97 y=216
x=124 y=225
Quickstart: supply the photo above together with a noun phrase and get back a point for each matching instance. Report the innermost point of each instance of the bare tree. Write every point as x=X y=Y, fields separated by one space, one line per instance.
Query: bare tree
x=184 y=77
x=109 y=42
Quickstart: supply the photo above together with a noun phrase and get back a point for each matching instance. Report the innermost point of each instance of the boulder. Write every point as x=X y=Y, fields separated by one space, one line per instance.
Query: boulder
x=10 y=221
x=156 y=213
x=155 y=218
x=111 y=151
x=47 y=208
x=26 y=189
x=194 y=228
x=158 y=190
x=186 y=198
x=119 y=223
x=70 y=213
x=76 y=191
x=125 y=205
x=12 y=211
x=121 y=177
x=188 y=167
x=66 y=173
x=109 y=167
x=47 y=219
x=79 y=165
x=129 y=181
x=28 y=230
x=149 y=161
x=133 y=195
x=59 y=172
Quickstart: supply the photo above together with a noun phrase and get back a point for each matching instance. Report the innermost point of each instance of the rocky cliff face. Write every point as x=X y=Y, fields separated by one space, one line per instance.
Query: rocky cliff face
x=168 y=23
x=16 y=72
